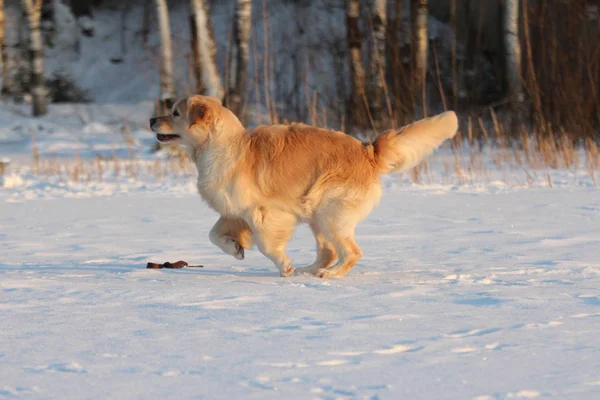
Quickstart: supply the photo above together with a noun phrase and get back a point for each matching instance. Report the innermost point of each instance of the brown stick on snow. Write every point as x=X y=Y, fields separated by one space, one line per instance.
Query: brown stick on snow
x=175 y=265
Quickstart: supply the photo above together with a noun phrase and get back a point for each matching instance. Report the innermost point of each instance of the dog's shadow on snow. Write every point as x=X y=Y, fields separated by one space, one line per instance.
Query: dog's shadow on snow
x=232 y=273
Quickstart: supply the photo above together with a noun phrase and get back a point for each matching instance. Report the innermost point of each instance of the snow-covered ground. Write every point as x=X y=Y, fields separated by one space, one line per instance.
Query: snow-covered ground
x=483 y=282
x=460 y=295
x=485 y=286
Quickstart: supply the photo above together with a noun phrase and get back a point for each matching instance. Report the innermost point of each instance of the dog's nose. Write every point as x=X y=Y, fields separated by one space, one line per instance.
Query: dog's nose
x=152 y=121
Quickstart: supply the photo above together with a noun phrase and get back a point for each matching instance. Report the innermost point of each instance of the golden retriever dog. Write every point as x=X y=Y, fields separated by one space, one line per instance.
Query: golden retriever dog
x=264 y=181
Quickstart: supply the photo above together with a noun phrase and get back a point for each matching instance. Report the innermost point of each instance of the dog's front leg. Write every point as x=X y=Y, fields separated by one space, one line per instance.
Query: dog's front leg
x=273 y=229
x=232 y=235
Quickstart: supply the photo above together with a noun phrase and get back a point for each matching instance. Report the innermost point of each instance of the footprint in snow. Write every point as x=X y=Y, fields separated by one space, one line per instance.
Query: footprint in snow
x=589 y=299
x=471 y=332
x=72 y=367
x=398 y=349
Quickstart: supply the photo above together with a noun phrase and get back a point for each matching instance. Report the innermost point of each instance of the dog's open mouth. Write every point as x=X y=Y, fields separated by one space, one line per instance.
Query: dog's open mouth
x=163 y=137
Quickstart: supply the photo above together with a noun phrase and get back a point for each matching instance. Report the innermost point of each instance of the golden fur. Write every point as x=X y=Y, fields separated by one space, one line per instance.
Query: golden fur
x=265 y=181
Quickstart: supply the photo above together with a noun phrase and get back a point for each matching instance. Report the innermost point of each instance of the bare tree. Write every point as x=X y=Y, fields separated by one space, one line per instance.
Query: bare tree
x=377 y=67
x=513 y=54
x=357 y=73
x=208 y=80
x=239 y=65
x=3 y=55
x=454 y=25
x=393 y=46
x=167 y=83
x=33 y=10
x=419 y=11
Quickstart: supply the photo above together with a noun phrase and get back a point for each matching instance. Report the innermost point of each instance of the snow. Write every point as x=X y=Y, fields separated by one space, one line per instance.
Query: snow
x=472 y=295
x=69 y=130
x=479 y=283
x=482 y=282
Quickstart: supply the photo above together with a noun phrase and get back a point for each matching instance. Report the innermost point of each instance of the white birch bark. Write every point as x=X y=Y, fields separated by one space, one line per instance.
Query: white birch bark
x=33 y=10
x=239 y=64
x=378 y=67
x=206 y=51
x=419 y=9
x=513 y=51
x=167 y=83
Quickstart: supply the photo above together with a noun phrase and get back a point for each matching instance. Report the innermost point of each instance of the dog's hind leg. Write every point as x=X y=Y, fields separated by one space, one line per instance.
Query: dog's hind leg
x=232 y=235
x=272 y=230
x=349 y=254
x=339 y=230
x=326 y=253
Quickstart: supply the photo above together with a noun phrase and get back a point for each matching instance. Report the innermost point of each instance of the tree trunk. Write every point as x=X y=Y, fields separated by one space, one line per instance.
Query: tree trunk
x=33 y=9
x=391 y=37
x=513 y=55
x=397 y=72
x=3 y=56
x=239 y=65
x=419 y=11
x=208 y=80
x=379 y=17
x=454 y=26
x=356 y=109
x=167 y=85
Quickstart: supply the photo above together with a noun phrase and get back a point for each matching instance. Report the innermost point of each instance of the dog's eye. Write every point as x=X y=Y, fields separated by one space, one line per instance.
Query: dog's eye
x=176 y=113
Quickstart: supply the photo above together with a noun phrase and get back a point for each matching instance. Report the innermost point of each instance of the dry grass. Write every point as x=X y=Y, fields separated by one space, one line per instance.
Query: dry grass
x=464 y=161
x=98 y=169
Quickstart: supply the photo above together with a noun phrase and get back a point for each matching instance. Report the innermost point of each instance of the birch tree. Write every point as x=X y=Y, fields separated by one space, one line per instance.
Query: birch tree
x=208 y=80
x=513 y=54
x=33 y=11
x=419 y=11
x=239 y=65
x=357 y=72
x=377 y=68
x=3 y=56
x=167 y=83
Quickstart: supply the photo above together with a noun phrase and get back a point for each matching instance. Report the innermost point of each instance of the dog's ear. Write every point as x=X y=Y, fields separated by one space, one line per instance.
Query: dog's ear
x=200 y=113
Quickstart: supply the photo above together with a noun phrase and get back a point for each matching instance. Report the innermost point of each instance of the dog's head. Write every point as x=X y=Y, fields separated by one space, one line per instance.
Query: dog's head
x=194 y=120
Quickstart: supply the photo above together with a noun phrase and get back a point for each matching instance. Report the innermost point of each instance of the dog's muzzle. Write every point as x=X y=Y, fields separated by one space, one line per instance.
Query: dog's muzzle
x=162 y=137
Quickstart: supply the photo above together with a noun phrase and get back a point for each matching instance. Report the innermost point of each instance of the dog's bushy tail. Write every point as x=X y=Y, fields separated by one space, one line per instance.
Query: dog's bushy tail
x=403 y=149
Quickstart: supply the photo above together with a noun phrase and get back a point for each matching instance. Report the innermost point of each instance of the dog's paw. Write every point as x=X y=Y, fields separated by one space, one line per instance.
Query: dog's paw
x=324 y=273
x=239 y=251
x=289 y=271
